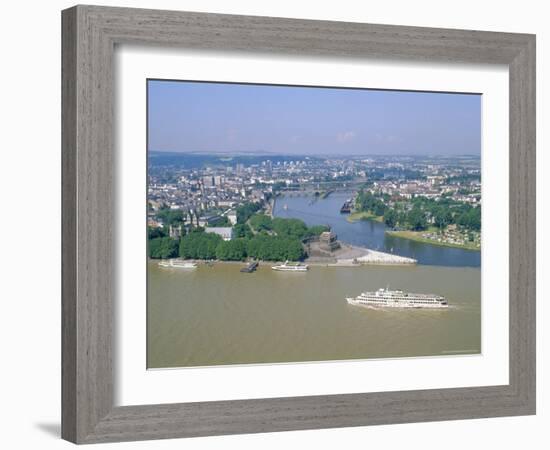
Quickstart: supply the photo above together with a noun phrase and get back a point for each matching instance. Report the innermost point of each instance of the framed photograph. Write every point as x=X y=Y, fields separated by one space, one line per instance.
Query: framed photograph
x=278 y=224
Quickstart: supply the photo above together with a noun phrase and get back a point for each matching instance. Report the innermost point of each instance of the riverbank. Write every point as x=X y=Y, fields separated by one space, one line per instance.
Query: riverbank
x=346 y=256
x=364 y=215
x=417 y=237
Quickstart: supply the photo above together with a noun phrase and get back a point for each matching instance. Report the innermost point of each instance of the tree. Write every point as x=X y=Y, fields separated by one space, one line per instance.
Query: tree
x=199 y=245
x=316 y=230
x=245 y=211
x=442 y=217
x=294 y=250
x=379 y=208
x=470 y=219
x=416 y=219
x=390 y=218
x=155 y=232
x=275 y=248
x=292 y=228
x=170 y=216
x=366 y=201
x=401 y=217
x=234 y=250
x=163 y=247
x=242 y=230
x=261 y=222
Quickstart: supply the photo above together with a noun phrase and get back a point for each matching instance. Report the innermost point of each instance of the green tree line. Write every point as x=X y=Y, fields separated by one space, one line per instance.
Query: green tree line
x=417 y=218
x=244 y=212
x=366 y=201
x=441 y=213
x=288 y=228
x=201 y=245
x=276 y=240
x=163 y=247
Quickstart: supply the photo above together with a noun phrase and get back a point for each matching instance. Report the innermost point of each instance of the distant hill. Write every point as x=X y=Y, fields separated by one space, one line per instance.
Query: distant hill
x=198 y=160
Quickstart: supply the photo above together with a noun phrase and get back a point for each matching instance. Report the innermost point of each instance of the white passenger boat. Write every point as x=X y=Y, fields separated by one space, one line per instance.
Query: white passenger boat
x=178 y=264
x=291 y=267
x=385 y=298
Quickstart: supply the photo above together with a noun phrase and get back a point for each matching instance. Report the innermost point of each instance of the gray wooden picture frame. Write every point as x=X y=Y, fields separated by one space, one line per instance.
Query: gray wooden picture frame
x=90 y=34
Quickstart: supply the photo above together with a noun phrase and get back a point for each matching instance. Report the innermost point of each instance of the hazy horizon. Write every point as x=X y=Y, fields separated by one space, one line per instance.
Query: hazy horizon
x=236 y=153
x=249 y=119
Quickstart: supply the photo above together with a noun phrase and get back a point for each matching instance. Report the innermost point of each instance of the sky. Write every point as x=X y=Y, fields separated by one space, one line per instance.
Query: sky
x=242 y=118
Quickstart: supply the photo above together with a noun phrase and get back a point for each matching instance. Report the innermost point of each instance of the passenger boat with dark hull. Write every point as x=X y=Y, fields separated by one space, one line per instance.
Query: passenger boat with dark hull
x=346 y=207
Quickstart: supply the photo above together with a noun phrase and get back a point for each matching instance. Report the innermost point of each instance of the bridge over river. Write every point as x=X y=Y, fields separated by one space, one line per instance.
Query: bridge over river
x=322 y=187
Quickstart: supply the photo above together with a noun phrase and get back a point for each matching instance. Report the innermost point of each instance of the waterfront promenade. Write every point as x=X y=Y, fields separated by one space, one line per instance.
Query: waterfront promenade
x=350 y=256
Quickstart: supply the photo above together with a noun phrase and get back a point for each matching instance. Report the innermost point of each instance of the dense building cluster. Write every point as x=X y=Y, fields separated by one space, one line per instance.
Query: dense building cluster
x=206 y=191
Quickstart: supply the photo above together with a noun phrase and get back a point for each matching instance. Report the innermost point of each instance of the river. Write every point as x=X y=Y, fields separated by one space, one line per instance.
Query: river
x=215 y=315
x=368 y=233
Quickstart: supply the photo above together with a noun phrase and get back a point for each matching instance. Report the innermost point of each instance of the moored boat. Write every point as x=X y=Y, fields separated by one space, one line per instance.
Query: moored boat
x=346 y=207
x=291 y=267
x=250 y=267
x=178 y=264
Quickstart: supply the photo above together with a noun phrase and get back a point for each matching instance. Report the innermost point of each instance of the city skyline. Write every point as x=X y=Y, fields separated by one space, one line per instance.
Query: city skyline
x=220 y=118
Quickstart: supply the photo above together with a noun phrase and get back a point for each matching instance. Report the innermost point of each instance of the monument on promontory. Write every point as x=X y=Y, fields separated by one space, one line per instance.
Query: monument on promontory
x=328 y=242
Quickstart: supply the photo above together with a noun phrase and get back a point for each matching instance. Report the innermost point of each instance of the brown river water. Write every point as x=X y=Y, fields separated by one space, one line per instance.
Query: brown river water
x=217 y=315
